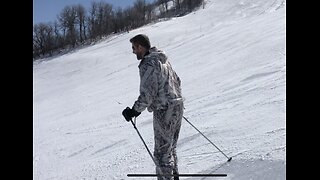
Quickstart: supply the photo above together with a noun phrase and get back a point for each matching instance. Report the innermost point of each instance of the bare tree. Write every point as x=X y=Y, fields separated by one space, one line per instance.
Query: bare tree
x=150 y=14
x=100 y=19
x=67 y=19
x=129 y=18
x=43 y=39
x=177 y=5
x=190 y=5
x=118 y=20
x=92 y=20
x=106 y=18
x=164 y=3
x=80 y=20
x=139 y=8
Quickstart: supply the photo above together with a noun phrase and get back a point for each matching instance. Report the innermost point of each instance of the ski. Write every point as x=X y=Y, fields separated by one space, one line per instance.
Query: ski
x=177 y=175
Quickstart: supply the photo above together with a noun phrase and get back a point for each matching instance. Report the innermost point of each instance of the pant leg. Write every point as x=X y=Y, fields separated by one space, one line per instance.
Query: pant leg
x=178 y=113
x=167 y=124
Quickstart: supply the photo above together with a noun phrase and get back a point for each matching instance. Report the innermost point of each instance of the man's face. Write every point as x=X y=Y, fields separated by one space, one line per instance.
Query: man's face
x=138 y=50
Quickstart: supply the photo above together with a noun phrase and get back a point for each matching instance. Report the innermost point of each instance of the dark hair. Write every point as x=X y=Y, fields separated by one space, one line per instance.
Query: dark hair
x=142 y=40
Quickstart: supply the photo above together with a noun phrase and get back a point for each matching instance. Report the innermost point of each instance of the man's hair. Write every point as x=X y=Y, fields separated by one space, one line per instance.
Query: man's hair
x=142 y=40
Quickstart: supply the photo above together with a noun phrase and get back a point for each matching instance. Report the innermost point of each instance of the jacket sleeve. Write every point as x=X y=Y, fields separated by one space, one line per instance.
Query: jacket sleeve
x=148 y=87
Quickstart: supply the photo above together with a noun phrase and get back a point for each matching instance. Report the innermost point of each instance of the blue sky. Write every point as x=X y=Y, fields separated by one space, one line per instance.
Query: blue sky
x=47 y=10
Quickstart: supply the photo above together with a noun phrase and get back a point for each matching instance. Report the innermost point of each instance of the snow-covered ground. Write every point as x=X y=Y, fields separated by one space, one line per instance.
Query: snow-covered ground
x=231 y=58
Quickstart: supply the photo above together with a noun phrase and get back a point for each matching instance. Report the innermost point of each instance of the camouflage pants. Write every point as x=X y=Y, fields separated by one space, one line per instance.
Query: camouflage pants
x=167 y=124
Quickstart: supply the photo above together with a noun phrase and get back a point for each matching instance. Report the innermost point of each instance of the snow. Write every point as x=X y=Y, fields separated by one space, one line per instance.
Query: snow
x=231 y=59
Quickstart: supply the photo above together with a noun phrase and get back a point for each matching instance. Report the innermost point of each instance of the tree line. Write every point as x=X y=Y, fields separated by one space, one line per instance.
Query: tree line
x=75 y=25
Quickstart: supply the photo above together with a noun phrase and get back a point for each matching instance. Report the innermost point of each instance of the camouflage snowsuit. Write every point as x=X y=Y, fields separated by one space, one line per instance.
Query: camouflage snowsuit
x=160 y=92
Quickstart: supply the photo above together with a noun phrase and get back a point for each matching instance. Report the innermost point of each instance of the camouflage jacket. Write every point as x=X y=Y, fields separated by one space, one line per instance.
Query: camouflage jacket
x=160 y=86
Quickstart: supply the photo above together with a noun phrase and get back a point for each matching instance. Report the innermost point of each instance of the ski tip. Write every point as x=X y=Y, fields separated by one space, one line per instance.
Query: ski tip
x=229 y=159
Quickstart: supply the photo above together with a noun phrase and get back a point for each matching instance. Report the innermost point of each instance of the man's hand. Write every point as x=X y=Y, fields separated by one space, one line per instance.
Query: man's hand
x=130 y=113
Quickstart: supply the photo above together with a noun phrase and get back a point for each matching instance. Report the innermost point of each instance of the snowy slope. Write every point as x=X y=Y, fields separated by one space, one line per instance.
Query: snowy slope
x=231 y=59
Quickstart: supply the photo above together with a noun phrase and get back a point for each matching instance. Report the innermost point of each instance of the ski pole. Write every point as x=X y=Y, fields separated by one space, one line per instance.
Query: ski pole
x=145 y=145
x=229 y=158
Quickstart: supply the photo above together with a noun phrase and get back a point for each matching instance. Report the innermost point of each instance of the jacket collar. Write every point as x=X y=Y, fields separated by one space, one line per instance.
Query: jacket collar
x=143 y=59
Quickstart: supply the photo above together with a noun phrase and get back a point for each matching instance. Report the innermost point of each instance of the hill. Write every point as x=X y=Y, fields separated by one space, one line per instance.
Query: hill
x=230 y=57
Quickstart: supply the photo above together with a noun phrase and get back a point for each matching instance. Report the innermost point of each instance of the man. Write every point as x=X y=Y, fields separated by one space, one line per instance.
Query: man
x=160 y=93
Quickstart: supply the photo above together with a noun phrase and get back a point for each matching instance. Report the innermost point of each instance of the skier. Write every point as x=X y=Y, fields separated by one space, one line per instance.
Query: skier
x=160 y=93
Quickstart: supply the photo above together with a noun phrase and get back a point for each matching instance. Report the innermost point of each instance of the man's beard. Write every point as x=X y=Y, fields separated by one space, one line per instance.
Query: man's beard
x=139 y=57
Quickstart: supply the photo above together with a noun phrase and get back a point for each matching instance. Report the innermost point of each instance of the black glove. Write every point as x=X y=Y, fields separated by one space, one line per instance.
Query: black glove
x=130 y=113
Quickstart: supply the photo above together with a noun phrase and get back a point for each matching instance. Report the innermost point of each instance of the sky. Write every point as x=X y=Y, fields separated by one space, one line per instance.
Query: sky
x=231 y=60
x=47 y=10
